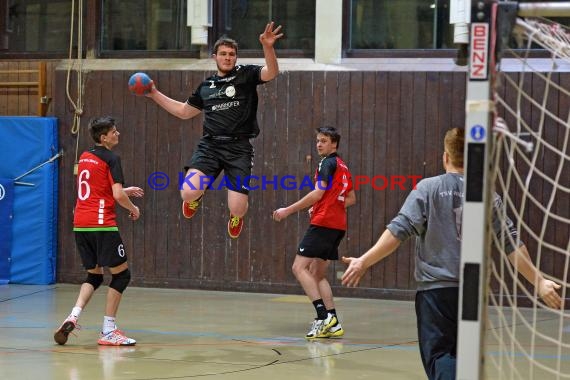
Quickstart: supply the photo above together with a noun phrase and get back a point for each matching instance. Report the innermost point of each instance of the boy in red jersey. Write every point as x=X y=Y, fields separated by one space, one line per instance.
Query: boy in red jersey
x=99 y=185
x=332 y=194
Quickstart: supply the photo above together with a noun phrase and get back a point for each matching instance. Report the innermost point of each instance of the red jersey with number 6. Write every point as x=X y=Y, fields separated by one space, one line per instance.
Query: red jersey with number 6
x=99 y=168
x=330 y=210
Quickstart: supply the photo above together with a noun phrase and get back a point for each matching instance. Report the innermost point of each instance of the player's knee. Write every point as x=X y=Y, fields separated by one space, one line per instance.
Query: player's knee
x=239 y=209
x=119 y=281
x=238 y=203
x=94 y=279
x=317 y=273
x=297 y=268
x=191 y=195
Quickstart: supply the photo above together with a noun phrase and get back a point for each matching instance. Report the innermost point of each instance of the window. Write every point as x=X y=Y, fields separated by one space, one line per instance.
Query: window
x=35 y=25
x=402 y=24
x=145 y=25
x=147 y=28
x=160 y=26
x=245 y=20
x=402 y=27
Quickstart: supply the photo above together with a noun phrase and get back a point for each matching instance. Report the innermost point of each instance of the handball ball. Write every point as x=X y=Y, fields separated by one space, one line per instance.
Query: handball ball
x=140 y=84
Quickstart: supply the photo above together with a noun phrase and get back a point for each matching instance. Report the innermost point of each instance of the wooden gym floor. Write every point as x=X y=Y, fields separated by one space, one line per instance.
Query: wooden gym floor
x=186 y=334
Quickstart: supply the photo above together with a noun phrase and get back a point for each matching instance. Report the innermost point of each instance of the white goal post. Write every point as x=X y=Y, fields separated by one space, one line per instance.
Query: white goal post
x=489 y=26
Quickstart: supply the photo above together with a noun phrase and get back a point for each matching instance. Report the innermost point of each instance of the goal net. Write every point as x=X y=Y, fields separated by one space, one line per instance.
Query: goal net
x=529 y=167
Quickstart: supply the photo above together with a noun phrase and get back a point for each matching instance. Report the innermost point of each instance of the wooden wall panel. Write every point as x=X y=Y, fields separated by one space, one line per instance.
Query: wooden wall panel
x=562 y=232
x=391 y=123
x=361 y=216
x=19 y=101
x=393 y=148
x=379 y=122
x=351 y=135
x=550 y=163
x=14 y=93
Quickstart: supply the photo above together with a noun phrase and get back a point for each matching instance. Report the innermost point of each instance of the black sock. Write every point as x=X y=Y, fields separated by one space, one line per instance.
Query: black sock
x=332 y=311
x=320 y=308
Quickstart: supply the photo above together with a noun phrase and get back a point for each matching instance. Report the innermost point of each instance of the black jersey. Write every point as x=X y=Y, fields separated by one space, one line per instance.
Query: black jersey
x=229 y=103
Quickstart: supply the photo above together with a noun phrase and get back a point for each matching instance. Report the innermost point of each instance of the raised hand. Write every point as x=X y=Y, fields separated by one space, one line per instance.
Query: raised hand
x=270 y=35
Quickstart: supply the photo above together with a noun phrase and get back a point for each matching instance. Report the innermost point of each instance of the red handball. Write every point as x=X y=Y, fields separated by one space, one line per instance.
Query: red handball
x=140 y=84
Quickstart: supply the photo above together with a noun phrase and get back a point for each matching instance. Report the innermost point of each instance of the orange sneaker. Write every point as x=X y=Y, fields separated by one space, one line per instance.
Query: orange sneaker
x=235 y=225
x=189 y=208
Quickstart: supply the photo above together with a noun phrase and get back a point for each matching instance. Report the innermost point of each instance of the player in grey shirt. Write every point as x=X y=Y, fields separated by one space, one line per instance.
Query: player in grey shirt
x=439 y=200
x=432 y=213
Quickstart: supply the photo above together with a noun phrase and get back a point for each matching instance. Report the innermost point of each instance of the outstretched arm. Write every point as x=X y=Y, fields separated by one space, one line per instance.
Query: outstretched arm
x=307 y=201
x=181 y=110
x=546 y=289
x=268 y=39
x=357 y=266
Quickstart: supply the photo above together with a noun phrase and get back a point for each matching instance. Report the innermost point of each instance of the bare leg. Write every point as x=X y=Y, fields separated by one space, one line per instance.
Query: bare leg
x=199 y=183
x=237 y=203
x=113 y=296
x=309 y=283
x=86 y=291
x=110 y=335
x=319 y=269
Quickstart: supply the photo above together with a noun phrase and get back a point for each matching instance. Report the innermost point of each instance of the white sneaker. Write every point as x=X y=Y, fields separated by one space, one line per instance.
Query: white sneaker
x=336 y=331
x=115 y=338
x=326 y=325
x=321 y=327
x=314 y=330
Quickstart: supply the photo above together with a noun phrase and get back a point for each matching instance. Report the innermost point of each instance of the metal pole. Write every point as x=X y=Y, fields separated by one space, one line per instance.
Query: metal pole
x=472 y=299
x=548 y=9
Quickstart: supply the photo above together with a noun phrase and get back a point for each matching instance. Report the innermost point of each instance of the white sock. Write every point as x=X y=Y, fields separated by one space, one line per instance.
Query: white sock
x=108 y=324
x=75 y=312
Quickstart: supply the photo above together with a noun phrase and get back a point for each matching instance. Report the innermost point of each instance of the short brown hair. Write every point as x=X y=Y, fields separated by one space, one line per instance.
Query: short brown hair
x=225 y=41
x=331 y=132
x=100 y=126
x=454 y=145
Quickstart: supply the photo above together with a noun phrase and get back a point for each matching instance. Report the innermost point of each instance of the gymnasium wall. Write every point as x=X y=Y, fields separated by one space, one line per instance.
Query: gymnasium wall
x=392 y=123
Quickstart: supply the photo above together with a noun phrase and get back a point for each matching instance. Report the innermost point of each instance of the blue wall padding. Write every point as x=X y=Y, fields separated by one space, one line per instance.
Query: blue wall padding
x=25 y=143
x=6 y=215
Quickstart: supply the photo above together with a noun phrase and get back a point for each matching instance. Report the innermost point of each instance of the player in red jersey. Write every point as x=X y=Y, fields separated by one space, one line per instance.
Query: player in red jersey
x=99 y=186
x=332 y=194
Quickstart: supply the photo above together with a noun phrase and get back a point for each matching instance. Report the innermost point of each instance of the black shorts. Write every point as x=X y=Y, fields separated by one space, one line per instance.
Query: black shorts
x=235 y=158
x=100 y=248
x=320 y=242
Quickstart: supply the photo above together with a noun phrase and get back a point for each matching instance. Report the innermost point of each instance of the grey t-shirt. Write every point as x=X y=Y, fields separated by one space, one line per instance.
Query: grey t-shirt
x=433 y=214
